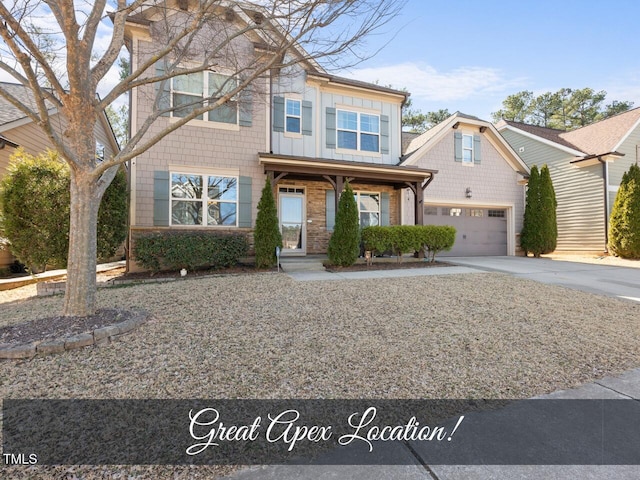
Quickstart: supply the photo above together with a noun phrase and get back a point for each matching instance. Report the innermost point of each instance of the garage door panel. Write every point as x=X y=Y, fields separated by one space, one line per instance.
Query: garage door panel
x=475 y=235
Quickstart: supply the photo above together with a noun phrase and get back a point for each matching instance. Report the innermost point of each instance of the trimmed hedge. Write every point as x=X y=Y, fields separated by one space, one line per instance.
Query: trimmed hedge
x=344 y=244
x=189 y=250
x=401 y=239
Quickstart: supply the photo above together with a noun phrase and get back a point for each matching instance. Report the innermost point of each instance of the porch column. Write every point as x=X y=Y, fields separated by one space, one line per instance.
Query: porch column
x=339 y=186
x=419 y=203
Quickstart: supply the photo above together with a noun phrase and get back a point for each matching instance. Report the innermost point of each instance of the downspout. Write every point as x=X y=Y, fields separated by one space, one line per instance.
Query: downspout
x=605 y=176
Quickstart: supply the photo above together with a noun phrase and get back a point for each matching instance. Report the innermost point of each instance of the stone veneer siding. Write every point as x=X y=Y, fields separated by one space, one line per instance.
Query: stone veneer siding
x=317 y=234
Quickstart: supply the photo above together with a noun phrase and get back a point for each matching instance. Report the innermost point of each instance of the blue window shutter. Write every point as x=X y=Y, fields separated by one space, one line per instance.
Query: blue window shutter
x=331 y=127
x=330 y=205
x=384 y=209
x=477 y=155
x=278 y=114
x=384 y=134
x=161 y=198
x=246 y=107
x=307 y=117
x=457 y=137
x=244 y=202
x=165 y=97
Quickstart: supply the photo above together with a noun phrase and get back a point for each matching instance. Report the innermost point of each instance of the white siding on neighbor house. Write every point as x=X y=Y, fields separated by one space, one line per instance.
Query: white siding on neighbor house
x=493 y=183
x=579 y=193
x=621 y=165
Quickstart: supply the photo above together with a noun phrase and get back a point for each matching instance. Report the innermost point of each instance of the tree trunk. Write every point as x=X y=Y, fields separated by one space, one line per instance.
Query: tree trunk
x=80 y=295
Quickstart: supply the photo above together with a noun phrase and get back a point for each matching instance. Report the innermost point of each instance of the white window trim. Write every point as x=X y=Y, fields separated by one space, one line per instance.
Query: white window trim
x=205 y=198
x=469 y=164
x=379 y=212
x=205 y=88
x=358 y=132
x=286 y=132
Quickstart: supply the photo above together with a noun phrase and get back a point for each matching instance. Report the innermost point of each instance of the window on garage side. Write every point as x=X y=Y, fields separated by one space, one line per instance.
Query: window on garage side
x=496 y=213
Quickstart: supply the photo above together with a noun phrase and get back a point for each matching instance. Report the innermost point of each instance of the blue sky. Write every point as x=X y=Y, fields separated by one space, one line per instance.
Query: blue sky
x=468 y=55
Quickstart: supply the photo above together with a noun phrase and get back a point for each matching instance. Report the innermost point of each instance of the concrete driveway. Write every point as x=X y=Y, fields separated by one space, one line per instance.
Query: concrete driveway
x=621 y=282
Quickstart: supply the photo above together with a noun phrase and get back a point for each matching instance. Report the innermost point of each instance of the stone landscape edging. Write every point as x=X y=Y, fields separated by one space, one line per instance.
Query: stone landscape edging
x=98 y=336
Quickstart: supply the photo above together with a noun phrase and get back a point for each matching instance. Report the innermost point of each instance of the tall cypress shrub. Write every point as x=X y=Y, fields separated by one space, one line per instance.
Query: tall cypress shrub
x=548 y=206
x=529 y=237
x=344 y=245
x=624 y=224
x=267 y=234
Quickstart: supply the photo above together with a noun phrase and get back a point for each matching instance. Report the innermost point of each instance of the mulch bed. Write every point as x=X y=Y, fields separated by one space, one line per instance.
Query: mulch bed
x=60 y=326
x=240 y=268
x=386 y=265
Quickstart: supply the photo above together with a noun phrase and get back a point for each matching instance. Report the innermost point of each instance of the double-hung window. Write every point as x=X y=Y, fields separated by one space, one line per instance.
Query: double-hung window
x=190 y=90
x=358 y=131
x=205 y=200
x=467 y=148
x=368 y=208
x=293 y=116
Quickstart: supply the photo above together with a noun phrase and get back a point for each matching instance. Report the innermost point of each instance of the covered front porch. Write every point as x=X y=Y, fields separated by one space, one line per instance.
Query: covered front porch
x=307 y=192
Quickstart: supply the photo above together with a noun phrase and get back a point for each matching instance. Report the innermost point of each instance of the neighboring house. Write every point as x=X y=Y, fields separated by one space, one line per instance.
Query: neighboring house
x=306 y=130
x=479 y=189
x=586 y=167
x=18 y=130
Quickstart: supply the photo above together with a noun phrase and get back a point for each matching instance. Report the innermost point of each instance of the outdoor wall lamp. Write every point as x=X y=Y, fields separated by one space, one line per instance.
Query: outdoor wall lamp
x=467 y=192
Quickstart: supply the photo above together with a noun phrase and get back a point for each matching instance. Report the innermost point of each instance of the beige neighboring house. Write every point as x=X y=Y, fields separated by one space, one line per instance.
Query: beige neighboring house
x=586 y=167
x=479 y=188
x=18 y=130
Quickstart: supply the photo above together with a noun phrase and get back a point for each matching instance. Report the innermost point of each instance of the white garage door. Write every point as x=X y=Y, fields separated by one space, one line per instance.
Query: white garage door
x=479 y=231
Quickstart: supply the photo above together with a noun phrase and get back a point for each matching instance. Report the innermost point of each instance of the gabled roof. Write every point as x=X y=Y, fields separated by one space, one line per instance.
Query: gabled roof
x=8 y=112
x=422 y=144
x=600 y=138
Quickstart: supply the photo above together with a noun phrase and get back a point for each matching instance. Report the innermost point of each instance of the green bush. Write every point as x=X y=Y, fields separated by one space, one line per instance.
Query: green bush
x=267 y=234
x=624 y=224
x=401 y=239
x=539 y=231
x=189 y=250
x=34 y=211
x=344 y=244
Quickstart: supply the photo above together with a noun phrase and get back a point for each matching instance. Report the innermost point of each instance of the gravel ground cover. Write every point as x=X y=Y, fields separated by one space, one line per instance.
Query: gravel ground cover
x=484 y=335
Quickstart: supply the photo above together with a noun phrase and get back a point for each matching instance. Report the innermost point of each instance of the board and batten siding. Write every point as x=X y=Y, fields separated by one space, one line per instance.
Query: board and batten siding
x=579 y=193
x=315 y=145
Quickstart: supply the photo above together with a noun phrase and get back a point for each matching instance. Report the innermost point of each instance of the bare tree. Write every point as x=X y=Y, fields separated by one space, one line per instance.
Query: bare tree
x=329 y=32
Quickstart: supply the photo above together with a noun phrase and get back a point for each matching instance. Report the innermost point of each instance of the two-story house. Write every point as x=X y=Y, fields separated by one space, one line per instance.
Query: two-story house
x=307 y=130
x=586 y=167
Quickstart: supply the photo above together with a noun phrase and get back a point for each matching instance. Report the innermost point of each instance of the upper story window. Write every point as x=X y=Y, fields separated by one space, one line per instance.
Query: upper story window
x=189 y=90
x=206 y=200
x=100 y=152
x=358 y=131
x=293 y=120
x=467 y=148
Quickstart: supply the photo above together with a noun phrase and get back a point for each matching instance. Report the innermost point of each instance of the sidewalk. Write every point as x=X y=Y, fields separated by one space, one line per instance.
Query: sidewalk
x=625 y=386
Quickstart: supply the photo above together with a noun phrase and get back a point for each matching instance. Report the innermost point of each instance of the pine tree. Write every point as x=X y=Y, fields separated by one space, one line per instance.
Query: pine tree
x=344 y=245
x=548 y=205
x=266 y=235
x=624 y=224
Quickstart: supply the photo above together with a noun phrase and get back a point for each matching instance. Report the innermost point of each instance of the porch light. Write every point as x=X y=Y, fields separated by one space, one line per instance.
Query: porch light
x=467 y=192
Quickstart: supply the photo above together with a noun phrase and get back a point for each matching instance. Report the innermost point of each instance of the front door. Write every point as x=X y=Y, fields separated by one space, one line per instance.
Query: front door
x=292 y=220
